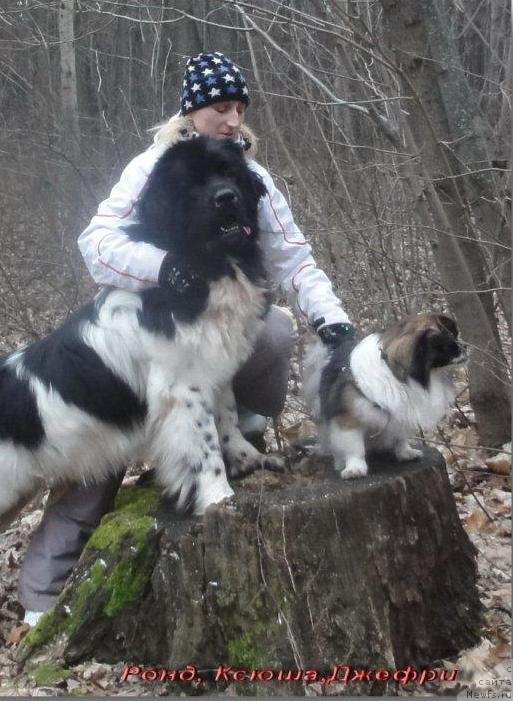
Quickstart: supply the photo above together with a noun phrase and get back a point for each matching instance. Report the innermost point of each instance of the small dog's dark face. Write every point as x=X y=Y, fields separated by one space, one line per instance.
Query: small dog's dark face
x=202 y=195
x=422 y=343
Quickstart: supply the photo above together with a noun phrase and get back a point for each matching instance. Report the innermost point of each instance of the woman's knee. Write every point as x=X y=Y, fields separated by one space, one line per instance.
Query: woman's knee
x=261 y=385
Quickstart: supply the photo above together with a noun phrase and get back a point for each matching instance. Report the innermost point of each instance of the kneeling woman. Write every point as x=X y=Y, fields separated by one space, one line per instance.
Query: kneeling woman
x=213 y=103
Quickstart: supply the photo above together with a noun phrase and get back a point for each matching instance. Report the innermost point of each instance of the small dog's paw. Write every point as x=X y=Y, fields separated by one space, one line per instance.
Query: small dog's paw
x=406 y=452
x=354 y=468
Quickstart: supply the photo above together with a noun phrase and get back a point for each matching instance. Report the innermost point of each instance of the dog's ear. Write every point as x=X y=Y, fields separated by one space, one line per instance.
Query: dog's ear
x=404 y=349
x=419 y=368
x=258 y=185
x=398 y=354
x=449 y=324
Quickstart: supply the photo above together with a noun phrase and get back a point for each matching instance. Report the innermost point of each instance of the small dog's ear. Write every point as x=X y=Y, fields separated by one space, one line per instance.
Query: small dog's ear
x=258 y=185
x=398 y=354
x=419 y=369
x=447 y=323
x=405 y=353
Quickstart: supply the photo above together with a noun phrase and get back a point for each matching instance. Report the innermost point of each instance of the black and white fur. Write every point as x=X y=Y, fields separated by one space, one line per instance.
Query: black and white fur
x=150 y=372
x=376 y=394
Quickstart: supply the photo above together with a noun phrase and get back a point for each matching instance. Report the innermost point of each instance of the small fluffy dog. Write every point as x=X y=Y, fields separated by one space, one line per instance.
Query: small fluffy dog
x=377 y=393
x=151 y=371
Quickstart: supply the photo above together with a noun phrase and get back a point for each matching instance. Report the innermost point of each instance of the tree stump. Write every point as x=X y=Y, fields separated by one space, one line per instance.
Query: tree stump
x=301 y=570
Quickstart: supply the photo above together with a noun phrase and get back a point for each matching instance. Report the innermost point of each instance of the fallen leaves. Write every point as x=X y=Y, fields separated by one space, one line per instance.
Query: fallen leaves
x=500 y=464
x=477 y=522
x=17 y=633
x=303 y=428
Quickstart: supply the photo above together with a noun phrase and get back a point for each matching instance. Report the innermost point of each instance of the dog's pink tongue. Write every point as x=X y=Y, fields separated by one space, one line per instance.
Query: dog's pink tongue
x=246 y=230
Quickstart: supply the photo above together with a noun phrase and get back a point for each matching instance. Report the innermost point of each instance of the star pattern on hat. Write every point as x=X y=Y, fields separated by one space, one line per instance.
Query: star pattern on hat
x=211 y=78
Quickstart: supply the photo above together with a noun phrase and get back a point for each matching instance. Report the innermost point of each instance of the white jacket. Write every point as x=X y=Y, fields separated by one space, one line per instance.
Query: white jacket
x=114 y=259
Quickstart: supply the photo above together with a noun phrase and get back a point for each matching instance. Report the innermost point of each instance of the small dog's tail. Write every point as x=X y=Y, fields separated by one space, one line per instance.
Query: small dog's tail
x=315 y=360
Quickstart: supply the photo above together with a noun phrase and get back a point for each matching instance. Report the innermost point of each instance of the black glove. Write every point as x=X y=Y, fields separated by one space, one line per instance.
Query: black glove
x=332 y=335
x=177 y=275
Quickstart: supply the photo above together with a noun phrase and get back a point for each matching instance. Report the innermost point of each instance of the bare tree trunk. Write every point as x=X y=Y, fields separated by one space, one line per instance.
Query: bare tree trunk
x=69 y=99
x=70 y=129
x=447 y=133
x=470 y=149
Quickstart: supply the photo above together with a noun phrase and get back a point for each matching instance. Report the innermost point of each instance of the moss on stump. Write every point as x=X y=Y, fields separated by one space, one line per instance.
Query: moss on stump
x=112 y=575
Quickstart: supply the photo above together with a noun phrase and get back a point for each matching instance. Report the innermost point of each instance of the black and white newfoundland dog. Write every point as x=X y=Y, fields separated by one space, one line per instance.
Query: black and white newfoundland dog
x=375 y=394
x=151 y=371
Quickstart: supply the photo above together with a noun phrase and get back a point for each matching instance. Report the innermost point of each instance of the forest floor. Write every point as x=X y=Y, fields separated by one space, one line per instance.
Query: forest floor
x=482 y=490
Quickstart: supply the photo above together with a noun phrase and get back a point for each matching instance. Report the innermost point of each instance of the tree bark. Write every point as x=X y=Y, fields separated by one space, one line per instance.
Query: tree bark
x=69 y=122
x=69 y=95
x=301 y=570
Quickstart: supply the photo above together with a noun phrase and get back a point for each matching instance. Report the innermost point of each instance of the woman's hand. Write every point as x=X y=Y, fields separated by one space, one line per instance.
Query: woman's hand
x=332 y=335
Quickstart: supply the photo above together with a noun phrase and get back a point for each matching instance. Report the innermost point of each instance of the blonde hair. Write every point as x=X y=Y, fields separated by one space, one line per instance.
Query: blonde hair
x=174 y=129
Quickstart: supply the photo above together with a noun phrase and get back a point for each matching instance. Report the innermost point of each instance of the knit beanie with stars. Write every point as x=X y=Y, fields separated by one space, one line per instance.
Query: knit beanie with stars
x=211 y=78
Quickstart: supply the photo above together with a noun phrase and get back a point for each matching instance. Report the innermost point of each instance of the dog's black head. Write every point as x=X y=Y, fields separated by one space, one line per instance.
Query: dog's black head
x=201 y=196
x=420 y=344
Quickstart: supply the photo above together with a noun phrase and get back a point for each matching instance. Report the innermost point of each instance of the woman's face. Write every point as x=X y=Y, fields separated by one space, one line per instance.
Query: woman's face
x=222 y=120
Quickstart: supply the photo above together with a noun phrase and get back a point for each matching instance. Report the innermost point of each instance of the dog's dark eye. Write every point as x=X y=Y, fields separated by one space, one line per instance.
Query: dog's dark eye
x=444 y=347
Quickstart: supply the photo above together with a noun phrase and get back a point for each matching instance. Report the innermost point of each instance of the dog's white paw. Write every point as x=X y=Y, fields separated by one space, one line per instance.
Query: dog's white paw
x=405 y=452
x=217 y=492
x=201 y=484
x=355 y=467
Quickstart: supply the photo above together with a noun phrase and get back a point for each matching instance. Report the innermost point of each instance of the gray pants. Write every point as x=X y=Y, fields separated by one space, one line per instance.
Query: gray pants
x=69 y=519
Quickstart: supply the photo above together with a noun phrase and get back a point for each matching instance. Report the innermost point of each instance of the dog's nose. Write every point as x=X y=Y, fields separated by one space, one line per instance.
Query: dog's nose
x=225 y=197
